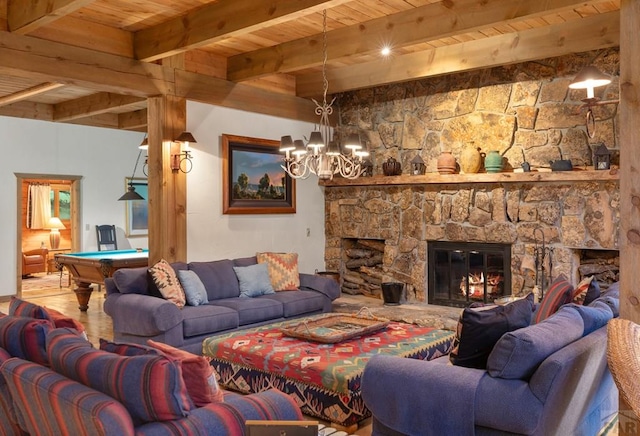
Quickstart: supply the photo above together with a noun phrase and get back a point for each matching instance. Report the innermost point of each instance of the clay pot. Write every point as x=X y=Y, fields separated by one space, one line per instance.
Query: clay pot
x=446 y=163
x=493 y=162
x=470 y=159
x=391 y=167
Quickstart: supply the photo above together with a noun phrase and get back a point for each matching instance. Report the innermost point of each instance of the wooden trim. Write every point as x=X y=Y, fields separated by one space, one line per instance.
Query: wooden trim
x=453 y=179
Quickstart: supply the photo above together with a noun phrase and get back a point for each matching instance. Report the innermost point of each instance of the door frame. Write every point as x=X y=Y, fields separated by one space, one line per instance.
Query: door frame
x=76 y=234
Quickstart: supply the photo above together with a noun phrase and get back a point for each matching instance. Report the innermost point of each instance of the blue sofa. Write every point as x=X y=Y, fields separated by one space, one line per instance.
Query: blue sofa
x=138 y=315
x=546 y=379
x=40 y=397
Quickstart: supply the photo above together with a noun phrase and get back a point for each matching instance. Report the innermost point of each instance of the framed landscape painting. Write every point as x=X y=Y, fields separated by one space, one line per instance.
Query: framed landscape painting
x=138 y=210
x=253 y=181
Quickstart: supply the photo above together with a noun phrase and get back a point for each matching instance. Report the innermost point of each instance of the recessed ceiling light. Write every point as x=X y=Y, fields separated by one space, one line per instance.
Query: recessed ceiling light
x=386 y=51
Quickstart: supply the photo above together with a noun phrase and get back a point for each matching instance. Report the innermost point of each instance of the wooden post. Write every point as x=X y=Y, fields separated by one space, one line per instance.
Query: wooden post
x=167 y=189
x=628 y=116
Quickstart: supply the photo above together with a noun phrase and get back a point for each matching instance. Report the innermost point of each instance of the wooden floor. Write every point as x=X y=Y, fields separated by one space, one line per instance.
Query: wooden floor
x=98 y=324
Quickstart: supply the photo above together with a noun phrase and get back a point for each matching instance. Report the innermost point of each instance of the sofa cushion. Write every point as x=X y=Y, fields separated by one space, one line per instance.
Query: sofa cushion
x=208 y=319
x=132 y=280
x=610 y=300
x=194 y=290
x=198 y=374
x=517 y=354
x=150 y=387
x=253 y=280
x=59 y=320
x=245 y=261
x=479 y=328
x=593 y=317
x=253 y=310
x=166 y=279
x=126 y=348
x=283 y=270
x=25 y=337
x=18 y=307
x=297 y=303
x=218 y=278
x=559 y=293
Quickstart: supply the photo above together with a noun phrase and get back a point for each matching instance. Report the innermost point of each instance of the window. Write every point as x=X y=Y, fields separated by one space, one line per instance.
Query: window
x=61 y=203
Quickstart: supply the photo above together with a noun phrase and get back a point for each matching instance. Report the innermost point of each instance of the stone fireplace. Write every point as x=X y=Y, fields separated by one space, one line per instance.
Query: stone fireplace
x=573 y=216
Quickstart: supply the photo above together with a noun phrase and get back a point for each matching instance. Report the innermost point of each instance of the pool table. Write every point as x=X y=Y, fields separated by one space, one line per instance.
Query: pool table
x=94 y=266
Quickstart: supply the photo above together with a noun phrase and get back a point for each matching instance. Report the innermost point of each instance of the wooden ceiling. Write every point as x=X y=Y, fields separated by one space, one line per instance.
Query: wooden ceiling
x=95 y=62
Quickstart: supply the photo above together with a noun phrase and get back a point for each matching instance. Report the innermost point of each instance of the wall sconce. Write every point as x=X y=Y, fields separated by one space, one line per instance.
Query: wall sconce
x=589 y=78
x=182 y=161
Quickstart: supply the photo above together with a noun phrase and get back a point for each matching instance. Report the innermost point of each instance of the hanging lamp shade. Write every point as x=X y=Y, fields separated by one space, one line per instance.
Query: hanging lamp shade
x=590 y=77
x=131 y=194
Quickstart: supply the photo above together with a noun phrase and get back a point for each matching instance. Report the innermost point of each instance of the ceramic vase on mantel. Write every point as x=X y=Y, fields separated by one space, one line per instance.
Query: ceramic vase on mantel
x=470 y=159
x=493 y=162
x=446 y=163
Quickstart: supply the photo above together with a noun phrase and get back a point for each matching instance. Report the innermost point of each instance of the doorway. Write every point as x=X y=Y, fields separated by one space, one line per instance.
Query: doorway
x=65 y=204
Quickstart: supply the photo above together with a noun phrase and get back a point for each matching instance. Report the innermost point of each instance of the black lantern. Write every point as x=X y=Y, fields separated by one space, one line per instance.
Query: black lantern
x=417 y=166
x=367 y=168
x=601 y=157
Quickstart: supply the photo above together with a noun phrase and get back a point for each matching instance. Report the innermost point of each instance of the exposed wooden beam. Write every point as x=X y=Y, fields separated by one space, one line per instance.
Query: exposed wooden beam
x=417 y=25
x=25 y=56
x=135 y=120
x=244 y=97
x=29 y=92
x=3 y=15
x=29 y=110
x=102 y=120
x=95 y=104
x=596 y=32
x=26 y=16
x=217 y=21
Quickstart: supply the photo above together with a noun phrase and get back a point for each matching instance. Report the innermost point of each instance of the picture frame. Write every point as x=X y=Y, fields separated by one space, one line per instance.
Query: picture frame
x=253 y=180
x=137 y=211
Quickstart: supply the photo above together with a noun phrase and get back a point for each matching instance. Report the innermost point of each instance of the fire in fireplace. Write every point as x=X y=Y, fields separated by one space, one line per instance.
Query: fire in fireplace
x=460 y=273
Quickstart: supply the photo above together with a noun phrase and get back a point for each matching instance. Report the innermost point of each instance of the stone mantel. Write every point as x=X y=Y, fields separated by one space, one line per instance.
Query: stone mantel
x=505 y=177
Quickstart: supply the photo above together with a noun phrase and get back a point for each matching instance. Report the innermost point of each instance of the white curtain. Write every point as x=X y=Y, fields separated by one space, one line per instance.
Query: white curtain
x=38 y=206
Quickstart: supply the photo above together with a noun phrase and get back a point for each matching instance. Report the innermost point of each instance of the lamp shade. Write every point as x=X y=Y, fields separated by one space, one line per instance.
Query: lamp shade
x=55 y=223
x=131 y=194
x=186 y=137
x=590 y=77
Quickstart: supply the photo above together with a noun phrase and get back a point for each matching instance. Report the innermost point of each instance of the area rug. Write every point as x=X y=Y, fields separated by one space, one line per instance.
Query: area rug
x=44 y=281
x=323 y=378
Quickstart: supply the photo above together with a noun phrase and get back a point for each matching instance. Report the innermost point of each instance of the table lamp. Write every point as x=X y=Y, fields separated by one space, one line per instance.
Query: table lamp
x=54 y=237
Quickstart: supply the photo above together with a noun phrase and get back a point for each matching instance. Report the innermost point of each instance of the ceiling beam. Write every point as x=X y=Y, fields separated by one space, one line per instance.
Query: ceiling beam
x=95 y=104
x=29 y=110
x=29 y=92
x=596 y=32
x=417 y=25
x=26 y=16
x=217 y=21
x=136 y=120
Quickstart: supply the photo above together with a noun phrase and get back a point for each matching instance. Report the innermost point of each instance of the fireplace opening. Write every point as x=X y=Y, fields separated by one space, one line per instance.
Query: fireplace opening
x=460 y=273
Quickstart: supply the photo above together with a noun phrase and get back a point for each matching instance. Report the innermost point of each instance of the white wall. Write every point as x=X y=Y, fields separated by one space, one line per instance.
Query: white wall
x=103 y=157
x=212 y=235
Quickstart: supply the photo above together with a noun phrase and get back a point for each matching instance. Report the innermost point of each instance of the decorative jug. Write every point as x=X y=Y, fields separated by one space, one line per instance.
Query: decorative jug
x=470 y=159
x=446 y=163
x=493 y=162
x=391 y=167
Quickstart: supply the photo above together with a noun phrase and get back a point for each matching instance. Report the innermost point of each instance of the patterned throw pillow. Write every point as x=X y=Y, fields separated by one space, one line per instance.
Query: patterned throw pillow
x=560 y=292
x=197 y=372
x=586 y=291
x=150 y=387
x=165 y=278
x=283 y=270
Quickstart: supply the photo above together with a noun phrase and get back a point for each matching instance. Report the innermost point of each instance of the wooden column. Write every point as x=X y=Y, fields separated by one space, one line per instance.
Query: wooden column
x=167 y=189
x=629 y=114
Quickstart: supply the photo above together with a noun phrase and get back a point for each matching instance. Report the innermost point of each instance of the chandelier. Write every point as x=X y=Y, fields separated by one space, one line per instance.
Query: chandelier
x=317 y=157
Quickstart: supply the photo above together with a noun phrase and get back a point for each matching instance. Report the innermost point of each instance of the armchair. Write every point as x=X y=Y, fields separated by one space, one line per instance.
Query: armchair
x=34 y=261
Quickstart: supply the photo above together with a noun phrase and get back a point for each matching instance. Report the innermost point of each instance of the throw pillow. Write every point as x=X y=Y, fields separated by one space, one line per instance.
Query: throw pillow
x=586 y=291
x=126 y=348
x=199 y=376
x=254 y=280
x=194 y=289
x=18 y=307
x=559 y=293
x=480 y=328
x=25 y=337
x=165 y=278
x=150 y=387
x=60 y=320
x=283 y=270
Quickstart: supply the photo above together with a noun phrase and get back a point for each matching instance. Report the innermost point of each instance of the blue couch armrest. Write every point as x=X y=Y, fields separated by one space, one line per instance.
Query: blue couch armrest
x=414 y=396
x=324 y=285
x=141 y=315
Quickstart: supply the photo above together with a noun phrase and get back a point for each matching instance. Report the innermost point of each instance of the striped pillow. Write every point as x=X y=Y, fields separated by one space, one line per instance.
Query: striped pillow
x=18 y=307
x=150 y=387
x=25 y=337
x=560 y=292
x=283 y=270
